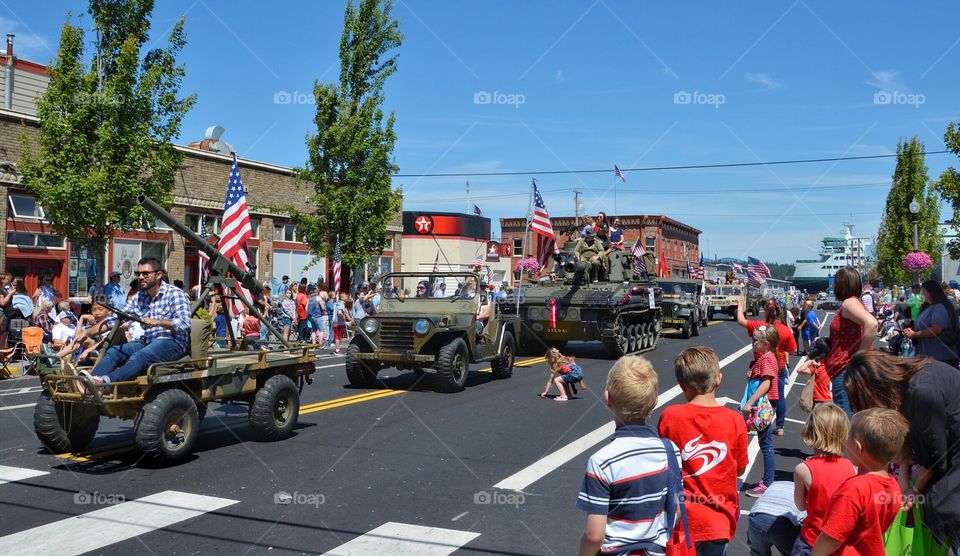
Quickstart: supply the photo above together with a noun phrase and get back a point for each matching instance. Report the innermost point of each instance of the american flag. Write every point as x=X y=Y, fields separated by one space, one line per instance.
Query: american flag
x=204 y=274
x=236 y=230
x=617 y=172
x=757 y=272
x=639 y=266
x=476 y=210
x=490 y=275
x=540 y=224
x=737 y=267
x=336 y=265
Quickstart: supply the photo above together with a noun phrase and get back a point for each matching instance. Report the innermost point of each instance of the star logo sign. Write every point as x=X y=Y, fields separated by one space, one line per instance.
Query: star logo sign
x=424 y=224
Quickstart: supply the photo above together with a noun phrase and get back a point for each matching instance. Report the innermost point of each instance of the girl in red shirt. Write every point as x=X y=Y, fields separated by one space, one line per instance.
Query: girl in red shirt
x=817 y=478
x=764 y=368
x=786 y=345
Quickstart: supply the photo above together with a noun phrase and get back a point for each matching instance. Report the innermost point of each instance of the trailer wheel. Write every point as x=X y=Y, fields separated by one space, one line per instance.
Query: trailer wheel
x=64 y=427
x=275 y=409
x=168 y=426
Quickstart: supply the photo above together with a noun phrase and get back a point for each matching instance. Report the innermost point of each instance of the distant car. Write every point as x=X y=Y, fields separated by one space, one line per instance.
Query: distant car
x=829 y=305
x=821 y=295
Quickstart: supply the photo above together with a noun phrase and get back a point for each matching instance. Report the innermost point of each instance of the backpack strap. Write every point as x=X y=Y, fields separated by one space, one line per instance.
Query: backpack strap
x=674 y=498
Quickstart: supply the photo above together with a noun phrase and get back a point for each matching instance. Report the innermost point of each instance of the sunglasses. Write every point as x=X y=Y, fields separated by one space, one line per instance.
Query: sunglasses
x=145 y=273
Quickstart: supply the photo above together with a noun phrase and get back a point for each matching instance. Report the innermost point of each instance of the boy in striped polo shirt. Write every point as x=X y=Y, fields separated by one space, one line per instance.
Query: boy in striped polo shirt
x=625 y=488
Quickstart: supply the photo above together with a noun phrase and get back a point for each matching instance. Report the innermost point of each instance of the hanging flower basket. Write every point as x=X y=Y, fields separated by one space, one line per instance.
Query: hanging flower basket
x=916 y=261
x=529 y=265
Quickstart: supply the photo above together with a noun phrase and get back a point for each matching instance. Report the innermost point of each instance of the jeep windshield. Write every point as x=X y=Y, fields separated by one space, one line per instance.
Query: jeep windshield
x=429 y=286
x=671 y=288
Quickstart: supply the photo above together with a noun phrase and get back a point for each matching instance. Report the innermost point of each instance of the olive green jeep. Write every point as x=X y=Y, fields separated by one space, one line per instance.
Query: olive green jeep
x=428 y=323
x=722 y=299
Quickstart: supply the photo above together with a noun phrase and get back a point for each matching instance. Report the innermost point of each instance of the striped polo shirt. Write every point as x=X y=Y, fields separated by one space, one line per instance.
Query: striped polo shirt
x=627 y=481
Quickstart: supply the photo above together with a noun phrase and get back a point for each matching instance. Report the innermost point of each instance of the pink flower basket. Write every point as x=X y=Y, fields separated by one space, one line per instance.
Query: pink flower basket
x=916 y=261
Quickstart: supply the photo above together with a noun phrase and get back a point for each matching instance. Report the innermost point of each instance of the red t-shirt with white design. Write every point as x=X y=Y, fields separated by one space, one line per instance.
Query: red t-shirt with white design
x=822 y=389
x=860 y=511
x=713 y=447
x=766 y=366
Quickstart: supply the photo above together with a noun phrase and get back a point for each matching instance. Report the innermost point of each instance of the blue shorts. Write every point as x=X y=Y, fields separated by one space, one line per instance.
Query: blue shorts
x=575 y=375
x=285 y=321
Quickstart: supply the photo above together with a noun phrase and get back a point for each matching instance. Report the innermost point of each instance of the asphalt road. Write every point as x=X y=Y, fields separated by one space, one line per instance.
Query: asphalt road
x=491 y=470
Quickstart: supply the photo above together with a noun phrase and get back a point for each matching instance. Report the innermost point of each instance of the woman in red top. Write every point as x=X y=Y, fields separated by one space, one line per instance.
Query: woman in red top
x=853 y=330
x=302 y=301
x=786 y=346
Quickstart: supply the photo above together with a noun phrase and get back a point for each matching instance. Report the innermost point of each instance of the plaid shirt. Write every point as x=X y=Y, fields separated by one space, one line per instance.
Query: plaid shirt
x=170 y=304
x=43 y=321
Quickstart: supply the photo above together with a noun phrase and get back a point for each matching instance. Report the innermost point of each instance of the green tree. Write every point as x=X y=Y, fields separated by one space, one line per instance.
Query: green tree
x=350 y=158
x=106 y=126
x=895 y=236
x=949 y=186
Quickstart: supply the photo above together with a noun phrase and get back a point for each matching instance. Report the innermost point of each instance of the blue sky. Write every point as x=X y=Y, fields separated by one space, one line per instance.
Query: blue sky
x=586 y=85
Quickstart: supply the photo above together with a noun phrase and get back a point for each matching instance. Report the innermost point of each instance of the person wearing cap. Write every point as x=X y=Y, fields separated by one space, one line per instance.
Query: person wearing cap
x=589 y=251
x=164 y=312
x=282 y=288
x=65 y=330
x=113 y=291
x=483 y=309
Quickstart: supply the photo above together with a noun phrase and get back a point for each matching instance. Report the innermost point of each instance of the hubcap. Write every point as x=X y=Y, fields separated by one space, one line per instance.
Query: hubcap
x=176 y=430
x=458 y=367
x=281 y=412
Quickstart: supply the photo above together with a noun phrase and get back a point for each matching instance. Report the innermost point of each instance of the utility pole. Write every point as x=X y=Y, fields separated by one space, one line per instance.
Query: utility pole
x=576 y=207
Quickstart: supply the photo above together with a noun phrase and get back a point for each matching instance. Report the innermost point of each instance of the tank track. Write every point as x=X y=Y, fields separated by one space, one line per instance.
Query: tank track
x=637 y=332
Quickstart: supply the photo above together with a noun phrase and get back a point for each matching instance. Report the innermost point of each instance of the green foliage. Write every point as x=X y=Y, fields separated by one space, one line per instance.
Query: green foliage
x=781 y=271
x=350 y=157
x=949 y=186
x=895 y=236
x=106 y=126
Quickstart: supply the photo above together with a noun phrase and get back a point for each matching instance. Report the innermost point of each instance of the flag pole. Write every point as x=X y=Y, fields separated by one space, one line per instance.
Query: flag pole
x=614 y=198
x=526 y=240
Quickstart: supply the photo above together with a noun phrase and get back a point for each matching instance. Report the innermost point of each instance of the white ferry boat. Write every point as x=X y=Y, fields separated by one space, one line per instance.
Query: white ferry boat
x=835 y=253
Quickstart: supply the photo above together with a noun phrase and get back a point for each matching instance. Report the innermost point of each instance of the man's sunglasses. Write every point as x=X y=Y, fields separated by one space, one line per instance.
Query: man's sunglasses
x=145 y=272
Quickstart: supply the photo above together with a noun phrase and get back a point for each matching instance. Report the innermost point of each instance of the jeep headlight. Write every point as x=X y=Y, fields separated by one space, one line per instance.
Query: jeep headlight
x=370 y=325
x=421 y=327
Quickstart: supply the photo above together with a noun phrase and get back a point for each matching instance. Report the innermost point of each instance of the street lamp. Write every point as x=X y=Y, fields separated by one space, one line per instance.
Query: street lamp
x=914 y=218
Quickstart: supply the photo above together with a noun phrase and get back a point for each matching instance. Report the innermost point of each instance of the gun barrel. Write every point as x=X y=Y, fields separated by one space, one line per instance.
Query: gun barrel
x=242 y=275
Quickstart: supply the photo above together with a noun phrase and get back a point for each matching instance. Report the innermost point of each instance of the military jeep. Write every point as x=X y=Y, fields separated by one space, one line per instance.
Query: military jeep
x=430 y=326
x=722 y=300
x=684 y=305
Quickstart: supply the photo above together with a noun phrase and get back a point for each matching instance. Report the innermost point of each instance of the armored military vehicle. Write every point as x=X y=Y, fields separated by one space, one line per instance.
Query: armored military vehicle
x=684 y=305
x=449 y=323
x=167 y=403
x=723 y=299
x=620 y=309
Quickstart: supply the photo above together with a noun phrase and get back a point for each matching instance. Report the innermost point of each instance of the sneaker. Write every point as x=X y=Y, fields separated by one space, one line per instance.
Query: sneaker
x=757 y=491
x=751 y=432
x=778 y=432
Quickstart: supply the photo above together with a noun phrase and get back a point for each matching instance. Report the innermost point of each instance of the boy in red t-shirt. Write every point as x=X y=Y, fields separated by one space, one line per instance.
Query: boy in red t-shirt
x=865 y=505
x=713 y=447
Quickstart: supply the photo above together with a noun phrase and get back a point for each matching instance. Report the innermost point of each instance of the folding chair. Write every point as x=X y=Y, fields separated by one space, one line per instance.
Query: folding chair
x=15 y=336
x=6 y=357
x=32 y=337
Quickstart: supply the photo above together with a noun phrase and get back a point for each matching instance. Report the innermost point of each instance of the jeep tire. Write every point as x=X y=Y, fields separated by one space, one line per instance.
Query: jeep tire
x=64 y=427
x=502 y=365
x=453 y=365
x=685 y=330
x=168 y=426
x=359 y=372
x=694 y=324
x=275 y=408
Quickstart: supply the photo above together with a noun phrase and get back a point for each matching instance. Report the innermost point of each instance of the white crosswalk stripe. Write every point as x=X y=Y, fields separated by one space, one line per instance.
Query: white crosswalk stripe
x=100 y=528
x=13 y=474
x=403 y=538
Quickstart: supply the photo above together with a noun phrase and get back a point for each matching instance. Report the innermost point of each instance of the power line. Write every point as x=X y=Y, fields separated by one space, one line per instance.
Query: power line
x=660 y=168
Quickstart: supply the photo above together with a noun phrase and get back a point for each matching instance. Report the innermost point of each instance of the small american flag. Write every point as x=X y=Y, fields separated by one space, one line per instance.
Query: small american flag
x=617 y=172
x=336 y=265
x=204 y=258
x=490 y=275
x=757 y=272
x=236 y=229
x=542 y=227
x=477 y=211
x=639 y=266
x=737 y=267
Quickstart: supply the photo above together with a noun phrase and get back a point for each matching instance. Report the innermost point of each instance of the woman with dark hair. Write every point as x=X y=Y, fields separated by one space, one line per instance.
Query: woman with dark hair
x=927 y=393
x=602 y=228
x=935 y=331
x=853 y=329
x=786 y=345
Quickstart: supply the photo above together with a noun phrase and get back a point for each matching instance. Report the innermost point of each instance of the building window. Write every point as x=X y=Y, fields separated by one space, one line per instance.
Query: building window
x=284 y=232
x=212 y=223
x=389 y=246
x=253 y=252
x=255 y=225
x=153 y=249
x=518 y=245
x=25 y=206
x=29 y=240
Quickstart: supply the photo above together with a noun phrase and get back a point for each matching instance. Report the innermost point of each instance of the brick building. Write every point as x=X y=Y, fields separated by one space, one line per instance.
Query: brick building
x=661 y=235
x=29 y=248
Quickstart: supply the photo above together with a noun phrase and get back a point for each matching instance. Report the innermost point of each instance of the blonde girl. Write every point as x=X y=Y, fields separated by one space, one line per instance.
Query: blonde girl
x=817 y=478
x=564 y=374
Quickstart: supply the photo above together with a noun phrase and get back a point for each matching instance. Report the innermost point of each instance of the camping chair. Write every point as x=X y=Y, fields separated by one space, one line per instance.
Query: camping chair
x=32 y=341
x=6 y=357
x=15 y=336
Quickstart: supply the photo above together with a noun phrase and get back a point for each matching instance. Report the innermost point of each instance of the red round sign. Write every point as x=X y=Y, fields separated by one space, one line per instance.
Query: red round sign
x=423 y=224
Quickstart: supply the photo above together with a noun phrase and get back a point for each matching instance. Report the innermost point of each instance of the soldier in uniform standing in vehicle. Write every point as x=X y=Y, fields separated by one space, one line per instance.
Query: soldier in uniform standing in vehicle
x=589 y=251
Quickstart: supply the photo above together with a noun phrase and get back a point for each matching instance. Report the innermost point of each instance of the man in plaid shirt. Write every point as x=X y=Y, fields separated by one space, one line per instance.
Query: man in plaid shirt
x=164 y=311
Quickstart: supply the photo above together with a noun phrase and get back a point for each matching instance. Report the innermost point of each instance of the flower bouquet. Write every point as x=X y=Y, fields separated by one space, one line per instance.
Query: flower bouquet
x=529 y=265
x=916 y=261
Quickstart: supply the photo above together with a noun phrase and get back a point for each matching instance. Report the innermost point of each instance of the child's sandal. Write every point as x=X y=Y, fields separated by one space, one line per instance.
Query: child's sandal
x=561 y=399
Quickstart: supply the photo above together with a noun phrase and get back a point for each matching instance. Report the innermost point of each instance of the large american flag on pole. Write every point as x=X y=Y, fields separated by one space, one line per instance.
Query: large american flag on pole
x=757 y=272
x=639 y=265
x=336 y=265
x=540 y=225
x=204 y=273
x=235 y=229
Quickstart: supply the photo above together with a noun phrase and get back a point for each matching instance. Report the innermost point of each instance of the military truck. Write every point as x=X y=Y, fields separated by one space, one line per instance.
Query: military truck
x=434 y=331
x=684 y=305
x=722 y=300
x=755 y=301
x=621 y=309
x=167 y=403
